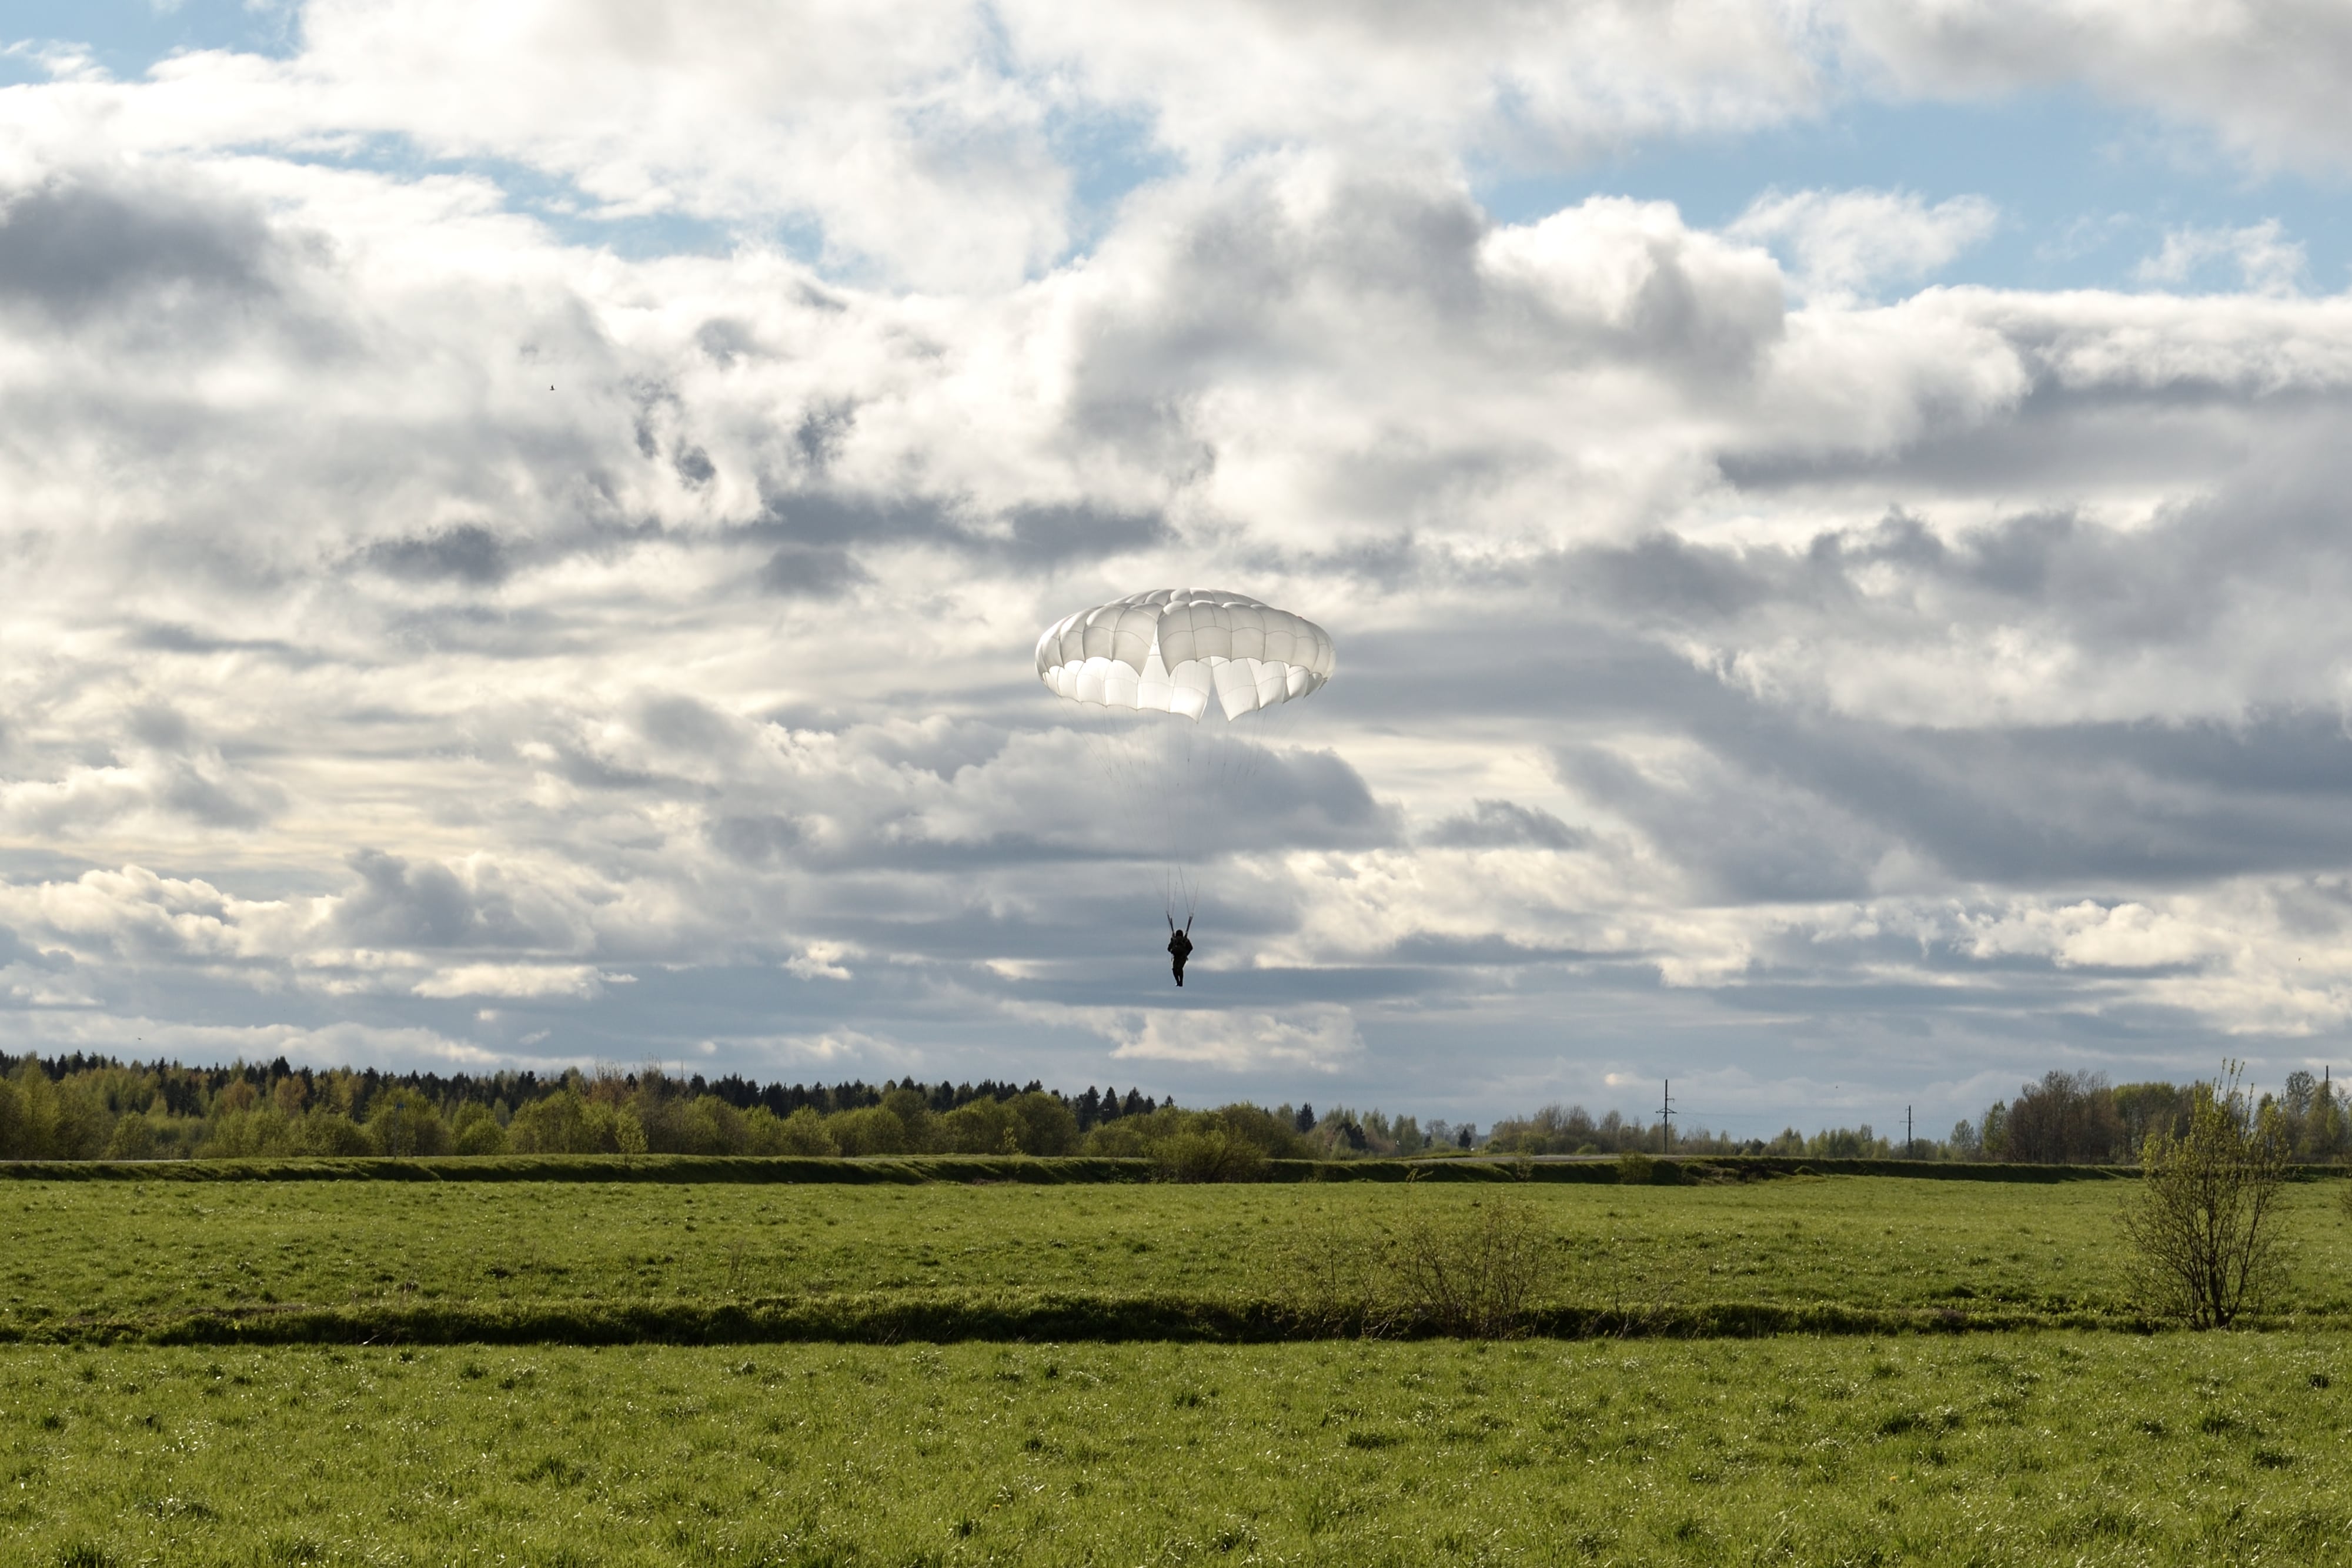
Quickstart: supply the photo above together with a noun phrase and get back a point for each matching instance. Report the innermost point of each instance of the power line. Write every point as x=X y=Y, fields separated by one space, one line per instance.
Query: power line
x=1666 y=1115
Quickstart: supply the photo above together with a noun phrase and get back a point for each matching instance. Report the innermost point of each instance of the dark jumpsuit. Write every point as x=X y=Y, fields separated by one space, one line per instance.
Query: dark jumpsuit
x=1180 y=947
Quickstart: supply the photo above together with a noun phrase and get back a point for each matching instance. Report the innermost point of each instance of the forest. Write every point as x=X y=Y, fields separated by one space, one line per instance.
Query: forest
x=83 y=1107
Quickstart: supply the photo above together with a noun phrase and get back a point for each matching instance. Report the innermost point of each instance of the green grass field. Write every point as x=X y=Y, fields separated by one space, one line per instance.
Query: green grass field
x=2029 y=1449
x=142 y=1256
x=1123 y=1442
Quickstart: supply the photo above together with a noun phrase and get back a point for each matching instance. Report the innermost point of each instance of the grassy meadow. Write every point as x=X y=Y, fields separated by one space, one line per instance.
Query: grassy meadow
x=137 y=1427
x=137 y=1258
x=2029 y=1449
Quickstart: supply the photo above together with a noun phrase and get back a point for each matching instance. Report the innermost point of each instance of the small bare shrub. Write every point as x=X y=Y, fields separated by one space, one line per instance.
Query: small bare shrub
x=1334 y=1283
x=2203 y=1226
x=1474 y=1274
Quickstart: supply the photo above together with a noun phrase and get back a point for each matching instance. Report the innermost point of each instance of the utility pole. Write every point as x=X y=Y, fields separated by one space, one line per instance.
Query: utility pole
x=1910 y=1143
x=1667 y=1117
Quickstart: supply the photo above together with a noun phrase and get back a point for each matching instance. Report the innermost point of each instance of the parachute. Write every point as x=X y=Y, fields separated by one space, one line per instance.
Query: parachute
x=1136 y=665
x=1169 y=650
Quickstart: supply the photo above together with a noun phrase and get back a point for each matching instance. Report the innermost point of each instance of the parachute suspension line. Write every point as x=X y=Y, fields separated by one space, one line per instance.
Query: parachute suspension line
x=1182 y=795
x=1180 y=889
x=1257 y=737
x=1171 y=656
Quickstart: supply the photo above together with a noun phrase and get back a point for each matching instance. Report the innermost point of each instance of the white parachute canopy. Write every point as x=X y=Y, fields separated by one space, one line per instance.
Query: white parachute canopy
x=1169 y=650
x=1130 y=664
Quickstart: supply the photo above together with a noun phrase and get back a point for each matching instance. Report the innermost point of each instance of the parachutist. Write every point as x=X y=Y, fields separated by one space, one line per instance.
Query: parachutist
x=1175 y=654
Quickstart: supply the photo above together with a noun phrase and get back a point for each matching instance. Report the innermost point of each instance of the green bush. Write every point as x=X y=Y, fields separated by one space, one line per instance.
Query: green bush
x=565 y=1123
x=802 y=1132
x=1206 y=1154
x=914 y=1113
x=246 y=1134
x=38 y=1122
x=329 y=1132
x=476 y=1130
x=16 y=1131
x=982 y=1127
x=1233 y=1144
x=871 y=1130
x=405 y=1124
x=1044 y=1126
x=134 y=1139
x=2203 y=1223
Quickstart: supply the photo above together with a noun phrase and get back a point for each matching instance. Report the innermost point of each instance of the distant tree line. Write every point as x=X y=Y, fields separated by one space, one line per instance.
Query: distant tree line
x=97 y=1107
x=2078 y=1118
x=2066 y=1118
x=1573 y=1130
x=91 y=1107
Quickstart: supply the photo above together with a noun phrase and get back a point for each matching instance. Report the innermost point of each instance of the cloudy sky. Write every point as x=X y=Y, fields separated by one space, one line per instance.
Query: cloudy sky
x=523 y=527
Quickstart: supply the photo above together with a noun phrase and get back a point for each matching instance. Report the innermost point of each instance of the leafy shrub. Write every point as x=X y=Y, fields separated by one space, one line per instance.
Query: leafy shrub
x=914 y=1112
x=982 y=1127
x=802 y=1132
x=247 y=1133
x=39 y=1122
x=1231 y=1144
x=705 y=1124
x=565 y=1123
x=16 y=1131
x=1270 y=1134
x=2203 y=1226
x=134 y=1139
x=328 y=1131
x=1213 y=1153
x=405 y=1124
x=476 y=1130
x=871 y=1130
x=1045 y=1124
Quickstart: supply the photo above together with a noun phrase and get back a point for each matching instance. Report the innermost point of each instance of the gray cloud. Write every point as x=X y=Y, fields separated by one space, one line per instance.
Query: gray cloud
x=763 y=841
x=812 y=571
x=402 y=902
x=467 y=553
x=73 y=250
x=820 y=529
x=1503 y=824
